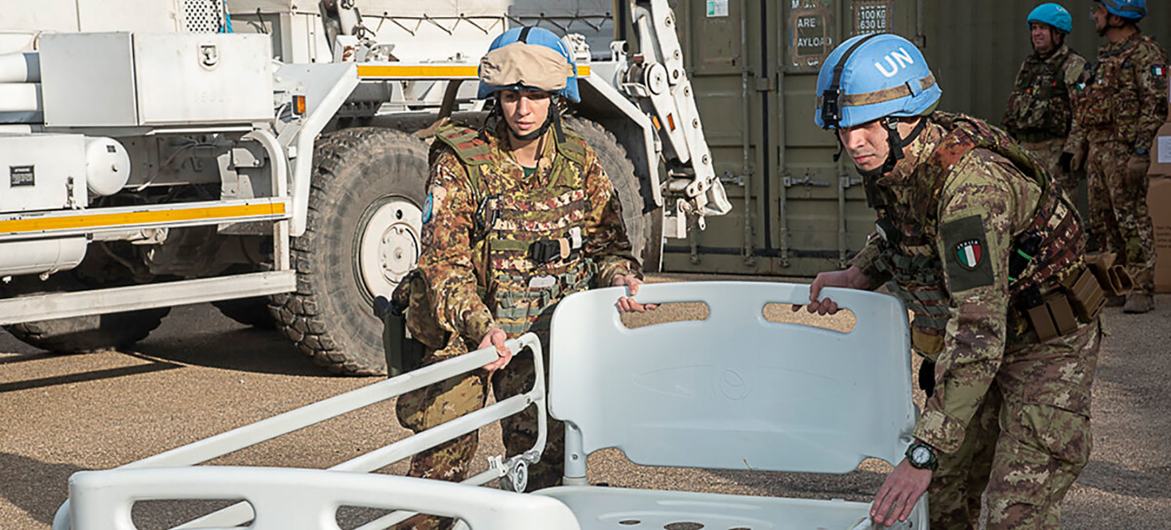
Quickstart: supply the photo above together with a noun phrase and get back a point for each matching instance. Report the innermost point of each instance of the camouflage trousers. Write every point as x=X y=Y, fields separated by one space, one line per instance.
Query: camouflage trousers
x=1119 y=220
x=1019 y=455
x=1049 y=153
x=436 y=404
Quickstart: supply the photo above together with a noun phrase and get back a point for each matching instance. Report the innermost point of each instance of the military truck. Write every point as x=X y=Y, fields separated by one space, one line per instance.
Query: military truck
x=270 y=156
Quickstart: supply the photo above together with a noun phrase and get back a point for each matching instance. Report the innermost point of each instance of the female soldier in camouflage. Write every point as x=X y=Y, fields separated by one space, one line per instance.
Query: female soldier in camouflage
x=518 y=216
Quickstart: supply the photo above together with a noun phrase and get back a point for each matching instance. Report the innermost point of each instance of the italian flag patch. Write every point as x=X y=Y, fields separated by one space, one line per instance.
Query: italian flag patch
x=969 y=253
x=1158 y=70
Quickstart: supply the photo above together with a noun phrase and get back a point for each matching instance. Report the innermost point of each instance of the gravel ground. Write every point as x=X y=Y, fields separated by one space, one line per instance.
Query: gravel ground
x=201 y=374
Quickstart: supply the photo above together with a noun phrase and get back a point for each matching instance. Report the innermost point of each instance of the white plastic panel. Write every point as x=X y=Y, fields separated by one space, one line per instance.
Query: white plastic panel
x=735 y=391
x=608 y=508
x=302 y=499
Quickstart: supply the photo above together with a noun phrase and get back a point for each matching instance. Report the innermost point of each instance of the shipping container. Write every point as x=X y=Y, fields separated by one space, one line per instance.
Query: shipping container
x=754 y=65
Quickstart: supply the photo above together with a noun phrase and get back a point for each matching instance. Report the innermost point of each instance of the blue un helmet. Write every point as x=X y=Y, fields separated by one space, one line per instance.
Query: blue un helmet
x=1052 y=15
x=876 y=76
x=531 y=68
x=1132 y=10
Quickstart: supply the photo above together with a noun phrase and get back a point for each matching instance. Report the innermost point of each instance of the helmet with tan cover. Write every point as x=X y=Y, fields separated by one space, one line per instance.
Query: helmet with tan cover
x=528 y=57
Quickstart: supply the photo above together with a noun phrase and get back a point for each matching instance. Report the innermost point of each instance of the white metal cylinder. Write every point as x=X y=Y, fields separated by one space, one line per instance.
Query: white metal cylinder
x=20 y=97
x=43 y=255
x=24 y=67
x=107 y=165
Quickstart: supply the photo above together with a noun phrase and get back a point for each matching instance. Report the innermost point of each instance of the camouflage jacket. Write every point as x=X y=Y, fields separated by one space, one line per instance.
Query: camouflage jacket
x=456 y=258
x=1123 y=97
x=1039 y=105
x=957 y=221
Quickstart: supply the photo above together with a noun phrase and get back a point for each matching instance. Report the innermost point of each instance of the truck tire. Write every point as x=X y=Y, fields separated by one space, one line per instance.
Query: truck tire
x=644 y=229
x=82 y=334
x=252 y=312
x=361 y=238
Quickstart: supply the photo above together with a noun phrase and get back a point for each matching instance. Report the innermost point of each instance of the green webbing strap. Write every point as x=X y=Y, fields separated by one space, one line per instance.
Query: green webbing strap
x=508 y=244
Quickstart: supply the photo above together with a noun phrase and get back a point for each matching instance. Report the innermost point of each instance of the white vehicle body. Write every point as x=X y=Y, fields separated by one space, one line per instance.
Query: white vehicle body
x=732 y=391
x=157 y=159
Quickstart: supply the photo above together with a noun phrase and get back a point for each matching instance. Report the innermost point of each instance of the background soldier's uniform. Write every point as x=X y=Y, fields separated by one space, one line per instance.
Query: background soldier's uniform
x=951 y=217
x=1040 y=115
x=502 y=248
x=1120 y=105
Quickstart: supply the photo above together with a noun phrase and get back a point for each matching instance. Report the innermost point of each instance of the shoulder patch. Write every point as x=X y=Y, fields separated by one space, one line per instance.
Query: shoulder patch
x=573 y=147
x=434 y=203
x=965 y=244
x=466 y=142
x=1158 y=70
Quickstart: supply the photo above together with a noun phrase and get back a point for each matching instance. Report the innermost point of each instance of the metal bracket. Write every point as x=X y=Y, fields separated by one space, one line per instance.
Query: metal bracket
x=806 y=180
x=514 y=473
x=847 y=182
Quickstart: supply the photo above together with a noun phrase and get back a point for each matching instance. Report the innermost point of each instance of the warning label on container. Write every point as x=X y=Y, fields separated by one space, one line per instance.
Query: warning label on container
x=717 y=8
x=810 y=37
x=872 y=16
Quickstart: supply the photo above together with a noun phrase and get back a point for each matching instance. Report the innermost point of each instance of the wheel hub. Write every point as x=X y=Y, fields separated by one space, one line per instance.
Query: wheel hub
x=390 y=245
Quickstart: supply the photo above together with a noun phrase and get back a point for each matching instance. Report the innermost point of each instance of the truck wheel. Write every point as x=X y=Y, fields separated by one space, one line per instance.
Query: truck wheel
x=645 y=229
x=361 y=238
x=248 y=311
x=79 y=334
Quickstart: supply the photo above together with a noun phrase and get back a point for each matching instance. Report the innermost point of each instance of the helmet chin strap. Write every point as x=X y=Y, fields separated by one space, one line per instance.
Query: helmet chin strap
x=896 y=144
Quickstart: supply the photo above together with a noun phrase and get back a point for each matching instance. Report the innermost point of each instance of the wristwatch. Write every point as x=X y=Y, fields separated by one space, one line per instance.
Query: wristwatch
x=921 y=456
x=1142 y=151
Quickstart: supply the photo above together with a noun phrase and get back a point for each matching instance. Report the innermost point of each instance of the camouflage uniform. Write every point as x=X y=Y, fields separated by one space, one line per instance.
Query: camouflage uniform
x=1040 y=115
x=478 y=244
x=1120 y=104
x=1010 y=413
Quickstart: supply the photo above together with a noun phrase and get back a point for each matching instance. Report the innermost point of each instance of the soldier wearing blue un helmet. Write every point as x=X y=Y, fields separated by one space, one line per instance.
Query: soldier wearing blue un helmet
x=1120 y=105
x=1039 y=113
x=976 y=238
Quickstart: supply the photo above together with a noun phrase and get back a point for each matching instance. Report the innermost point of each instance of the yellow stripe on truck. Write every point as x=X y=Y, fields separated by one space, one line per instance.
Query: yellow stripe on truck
x=430 y=71
x=104 y=220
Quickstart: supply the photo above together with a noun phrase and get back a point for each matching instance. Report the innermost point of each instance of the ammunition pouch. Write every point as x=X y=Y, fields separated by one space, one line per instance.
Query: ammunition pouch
x=409 y=328
x=1077 y=301
x=926 y=344
x=1114 y=279
x=403 y=353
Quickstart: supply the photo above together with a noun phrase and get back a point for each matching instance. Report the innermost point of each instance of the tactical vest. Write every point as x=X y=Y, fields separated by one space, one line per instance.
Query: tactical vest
x=1040 y=103
x=1052 y=240
x=531 y=240
x=1100 y=96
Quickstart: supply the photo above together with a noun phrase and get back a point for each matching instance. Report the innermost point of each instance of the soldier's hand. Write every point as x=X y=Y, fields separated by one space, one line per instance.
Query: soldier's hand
x=851 y=278
x=899 y=493
x=496 y=337
x=627 y=303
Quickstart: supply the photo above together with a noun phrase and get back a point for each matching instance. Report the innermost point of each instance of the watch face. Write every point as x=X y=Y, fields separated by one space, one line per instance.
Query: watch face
x=921 y=455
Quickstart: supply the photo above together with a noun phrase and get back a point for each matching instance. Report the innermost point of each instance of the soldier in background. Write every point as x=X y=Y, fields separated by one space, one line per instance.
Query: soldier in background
x=1119 y=105
x=1039 y=113
x=981 y=243
x=518 y=216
